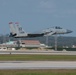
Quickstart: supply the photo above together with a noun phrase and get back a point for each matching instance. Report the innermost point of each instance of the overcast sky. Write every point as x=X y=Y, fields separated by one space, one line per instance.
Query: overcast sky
x=36 y=15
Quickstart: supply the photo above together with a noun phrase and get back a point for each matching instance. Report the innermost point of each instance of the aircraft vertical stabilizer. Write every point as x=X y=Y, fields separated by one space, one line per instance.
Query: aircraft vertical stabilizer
x=19 y=30
x=12 y=28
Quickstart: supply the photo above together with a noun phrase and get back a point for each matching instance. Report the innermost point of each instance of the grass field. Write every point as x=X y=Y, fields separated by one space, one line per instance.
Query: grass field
x=37 y=72
x=37 y=57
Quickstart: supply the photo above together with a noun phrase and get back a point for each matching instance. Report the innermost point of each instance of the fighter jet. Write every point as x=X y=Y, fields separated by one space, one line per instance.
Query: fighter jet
x=17 y=32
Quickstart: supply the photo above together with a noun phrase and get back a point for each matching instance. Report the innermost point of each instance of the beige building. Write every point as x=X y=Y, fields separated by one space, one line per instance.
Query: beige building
x=31 y=43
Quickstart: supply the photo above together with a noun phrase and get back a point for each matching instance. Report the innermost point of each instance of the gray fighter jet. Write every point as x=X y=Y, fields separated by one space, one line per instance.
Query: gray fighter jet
x=17 y=32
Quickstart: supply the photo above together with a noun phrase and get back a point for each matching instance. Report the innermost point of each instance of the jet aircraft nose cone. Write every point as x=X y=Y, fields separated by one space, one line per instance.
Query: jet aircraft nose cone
x=69 y=31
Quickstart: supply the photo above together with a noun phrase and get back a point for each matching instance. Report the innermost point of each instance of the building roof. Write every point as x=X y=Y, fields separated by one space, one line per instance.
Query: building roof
x=30 y=42
x=10 y=42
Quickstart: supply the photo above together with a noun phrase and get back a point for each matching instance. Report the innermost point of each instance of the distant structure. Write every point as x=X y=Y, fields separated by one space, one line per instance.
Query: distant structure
x=23 y=44
x=8 y=45
x=73 y=46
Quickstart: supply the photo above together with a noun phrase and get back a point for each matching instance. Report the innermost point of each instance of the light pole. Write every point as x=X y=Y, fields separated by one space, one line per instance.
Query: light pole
x=56 y=42
x=47 y=40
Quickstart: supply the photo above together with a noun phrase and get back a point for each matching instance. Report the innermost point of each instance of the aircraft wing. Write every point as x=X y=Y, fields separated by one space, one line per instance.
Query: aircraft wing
x=49 y=33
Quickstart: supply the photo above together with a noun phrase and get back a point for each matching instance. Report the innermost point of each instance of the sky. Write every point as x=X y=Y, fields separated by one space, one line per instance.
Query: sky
x=37 y=15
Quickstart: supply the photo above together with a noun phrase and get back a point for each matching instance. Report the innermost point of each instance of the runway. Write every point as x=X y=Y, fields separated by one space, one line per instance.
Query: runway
x=37 y=64
x=42 y=52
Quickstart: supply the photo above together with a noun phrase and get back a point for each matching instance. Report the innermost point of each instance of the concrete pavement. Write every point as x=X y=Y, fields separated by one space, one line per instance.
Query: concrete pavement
x=38 y=65
x=42 y=52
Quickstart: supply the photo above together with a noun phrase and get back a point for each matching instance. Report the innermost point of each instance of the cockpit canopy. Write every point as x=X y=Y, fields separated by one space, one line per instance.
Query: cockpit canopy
x=58 y=27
